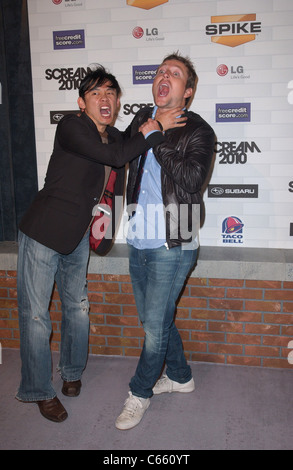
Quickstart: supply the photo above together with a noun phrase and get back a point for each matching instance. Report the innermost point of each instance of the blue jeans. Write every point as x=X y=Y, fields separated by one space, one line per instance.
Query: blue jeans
x=38 y=268
x=158 y=276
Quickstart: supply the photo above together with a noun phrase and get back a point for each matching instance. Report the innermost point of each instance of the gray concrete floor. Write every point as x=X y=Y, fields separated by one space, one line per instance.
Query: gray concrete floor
x=232 y=408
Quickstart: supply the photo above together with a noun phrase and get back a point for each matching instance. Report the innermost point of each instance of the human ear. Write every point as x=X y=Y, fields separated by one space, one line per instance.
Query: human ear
x=81 y=104
x=188 y=92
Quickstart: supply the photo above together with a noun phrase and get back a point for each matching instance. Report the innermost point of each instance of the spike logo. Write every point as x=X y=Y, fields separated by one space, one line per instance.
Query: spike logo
x=233 y=30
x=146 y=4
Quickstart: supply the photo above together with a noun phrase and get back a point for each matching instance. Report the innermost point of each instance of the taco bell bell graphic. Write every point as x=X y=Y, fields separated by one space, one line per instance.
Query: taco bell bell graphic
x=232 y=230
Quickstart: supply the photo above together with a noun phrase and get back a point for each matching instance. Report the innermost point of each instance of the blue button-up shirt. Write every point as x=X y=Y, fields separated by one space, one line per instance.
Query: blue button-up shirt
x=147 y=228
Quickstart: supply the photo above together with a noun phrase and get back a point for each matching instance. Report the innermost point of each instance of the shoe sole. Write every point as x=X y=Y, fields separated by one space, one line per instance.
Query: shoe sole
x=55 y=420
x=188 y=389
x=174 y=391
x=75 y=394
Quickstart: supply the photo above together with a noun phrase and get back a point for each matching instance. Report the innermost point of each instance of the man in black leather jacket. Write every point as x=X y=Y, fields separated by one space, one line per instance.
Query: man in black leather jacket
x=164 y=204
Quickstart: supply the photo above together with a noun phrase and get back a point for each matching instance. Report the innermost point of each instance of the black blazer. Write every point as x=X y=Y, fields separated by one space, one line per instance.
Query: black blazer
x=61 y=212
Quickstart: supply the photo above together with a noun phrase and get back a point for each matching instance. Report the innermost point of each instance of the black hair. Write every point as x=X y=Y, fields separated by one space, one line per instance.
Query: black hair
x=96 y=78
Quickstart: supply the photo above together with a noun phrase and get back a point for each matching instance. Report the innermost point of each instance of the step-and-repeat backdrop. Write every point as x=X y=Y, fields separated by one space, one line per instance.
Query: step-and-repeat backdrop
x=243 y=55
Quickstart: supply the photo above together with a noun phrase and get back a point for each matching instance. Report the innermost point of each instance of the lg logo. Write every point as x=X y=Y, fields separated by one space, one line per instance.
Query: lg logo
x=223 y=69
x=138 y=32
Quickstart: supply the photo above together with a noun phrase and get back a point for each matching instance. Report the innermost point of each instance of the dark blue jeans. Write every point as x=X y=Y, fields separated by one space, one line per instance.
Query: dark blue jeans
x=38 y=268
x=158 y=276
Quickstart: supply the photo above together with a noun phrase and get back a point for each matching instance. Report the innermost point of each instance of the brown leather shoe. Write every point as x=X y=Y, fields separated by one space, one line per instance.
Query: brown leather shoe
x=71 y=389
x=53 y=410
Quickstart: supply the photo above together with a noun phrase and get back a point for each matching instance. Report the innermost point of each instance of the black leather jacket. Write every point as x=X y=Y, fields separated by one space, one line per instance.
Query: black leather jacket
x=185 y=158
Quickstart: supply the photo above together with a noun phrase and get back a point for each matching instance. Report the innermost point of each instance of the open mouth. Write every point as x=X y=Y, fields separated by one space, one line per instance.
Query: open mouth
x=105 y=111
x=163 y=89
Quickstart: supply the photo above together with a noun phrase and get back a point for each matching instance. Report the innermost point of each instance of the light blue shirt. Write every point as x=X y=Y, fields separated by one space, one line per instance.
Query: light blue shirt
x=147 y=228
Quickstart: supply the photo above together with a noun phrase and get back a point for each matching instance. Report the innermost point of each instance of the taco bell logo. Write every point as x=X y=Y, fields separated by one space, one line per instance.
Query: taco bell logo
x=232 y=230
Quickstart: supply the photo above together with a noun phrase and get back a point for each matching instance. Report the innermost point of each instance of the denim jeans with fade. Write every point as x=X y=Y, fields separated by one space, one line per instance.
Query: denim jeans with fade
x=158 y=276
x=38 y=268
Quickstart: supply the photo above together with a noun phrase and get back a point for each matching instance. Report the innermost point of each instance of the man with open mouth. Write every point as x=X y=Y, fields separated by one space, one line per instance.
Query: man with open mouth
x=54 y=237
x=164 y=201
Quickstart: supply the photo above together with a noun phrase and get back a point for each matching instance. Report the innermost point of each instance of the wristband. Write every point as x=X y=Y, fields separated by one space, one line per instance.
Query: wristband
x=160 y=125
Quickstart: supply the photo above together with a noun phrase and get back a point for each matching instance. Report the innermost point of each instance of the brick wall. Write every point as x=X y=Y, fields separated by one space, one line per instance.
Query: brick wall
x=228 y=321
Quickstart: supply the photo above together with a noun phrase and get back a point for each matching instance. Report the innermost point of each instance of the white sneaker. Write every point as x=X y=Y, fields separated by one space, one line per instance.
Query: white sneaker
x=167 y=385
x=133 y=411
